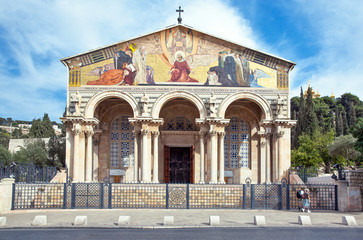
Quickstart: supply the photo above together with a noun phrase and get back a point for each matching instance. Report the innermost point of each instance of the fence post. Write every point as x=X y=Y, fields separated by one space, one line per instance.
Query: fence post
x=167 y=196
x=73 y=195
x=288 y=197
x=280 y=196
x=110 y=196
x=187 y=196
x=65 y=196
x=13 y=198
x=101 y=196
x=336 y=197
x=252 y=196
x=244 y=197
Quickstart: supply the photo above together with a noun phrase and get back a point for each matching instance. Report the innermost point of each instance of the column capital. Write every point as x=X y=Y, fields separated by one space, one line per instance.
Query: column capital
x=144 y=132
x=155 y=133
x=77 y=129
x=135 y=133
x=202 y=134
x=89 y=131
x=212 y=132
x=222 y=134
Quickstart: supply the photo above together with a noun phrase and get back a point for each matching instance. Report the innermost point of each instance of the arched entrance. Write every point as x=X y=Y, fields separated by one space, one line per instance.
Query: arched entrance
x=178 y=140
x=114 y=149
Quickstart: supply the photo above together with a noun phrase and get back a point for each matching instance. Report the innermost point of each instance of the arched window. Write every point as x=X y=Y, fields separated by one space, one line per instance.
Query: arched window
x=122 y=143
x=236 y=144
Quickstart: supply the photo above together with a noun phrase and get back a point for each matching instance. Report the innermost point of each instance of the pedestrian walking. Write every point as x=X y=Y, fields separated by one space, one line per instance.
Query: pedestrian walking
x=299 y=195
x=306 y=201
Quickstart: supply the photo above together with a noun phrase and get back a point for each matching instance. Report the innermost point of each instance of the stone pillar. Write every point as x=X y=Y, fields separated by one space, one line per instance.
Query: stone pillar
x=221 y=157
x=145 y=172
x=68 y=159
x=156 y=157
x=6 y=190
x=96 y=143
x=136 y=156
x=82 y=157
x=262 y=158
x=89 y=134
x=214 y=156
x=202 y=155
x=275 y=157
x=268 y=158
x=75 y=168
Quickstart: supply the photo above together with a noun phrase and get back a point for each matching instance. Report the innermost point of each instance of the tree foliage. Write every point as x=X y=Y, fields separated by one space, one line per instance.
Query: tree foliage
x=34 y=152
x=42 y=128
x=5 y=156
x=56 y=151
x=344 y=146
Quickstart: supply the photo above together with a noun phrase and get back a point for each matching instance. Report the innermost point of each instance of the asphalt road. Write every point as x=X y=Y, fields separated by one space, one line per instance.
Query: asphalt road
x=277 y=233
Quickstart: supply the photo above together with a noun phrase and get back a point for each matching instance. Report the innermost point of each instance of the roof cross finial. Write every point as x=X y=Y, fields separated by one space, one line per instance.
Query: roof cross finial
x=179 y=18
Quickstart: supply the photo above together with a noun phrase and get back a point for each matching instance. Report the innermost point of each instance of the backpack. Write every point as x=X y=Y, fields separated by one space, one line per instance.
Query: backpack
x=298 y=195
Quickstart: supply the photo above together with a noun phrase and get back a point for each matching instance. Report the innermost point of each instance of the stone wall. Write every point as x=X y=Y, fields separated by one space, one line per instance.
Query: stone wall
x=355 y=179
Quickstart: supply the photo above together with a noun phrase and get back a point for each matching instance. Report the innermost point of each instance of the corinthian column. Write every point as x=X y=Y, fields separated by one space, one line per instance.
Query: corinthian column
x=156 y=158
x=214 y=156
x=136 y=156
x=221 y=157
x=89 y=134
x=268 y=158
x=202 y=154
x=262 y=158
x=75 y=168
x=145 y=172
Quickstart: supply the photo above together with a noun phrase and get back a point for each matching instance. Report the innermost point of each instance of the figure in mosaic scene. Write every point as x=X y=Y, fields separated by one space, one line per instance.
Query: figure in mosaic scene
x=180 y=70
x=139 y=61
x=150 y=75
x=218 y=74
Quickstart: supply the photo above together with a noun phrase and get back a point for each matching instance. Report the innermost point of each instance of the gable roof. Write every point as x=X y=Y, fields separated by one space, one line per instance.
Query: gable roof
x=290 y=64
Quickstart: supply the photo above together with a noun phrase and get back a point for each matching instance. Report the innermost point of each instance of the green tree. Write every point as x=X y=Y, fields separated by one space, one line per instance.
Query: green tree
x=56 y=151
x=358 y=134
x=34 y=152
x=5 y=156
x=313 y=151
x=4 y=138
x=310 y=124
x=351 y=115
x=42 y=128
x=344 y=146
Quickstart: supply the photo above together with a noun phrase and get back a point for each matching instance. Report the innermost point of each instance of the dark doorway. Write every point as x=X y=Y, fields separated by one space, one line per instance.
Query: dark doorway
x=180 y=165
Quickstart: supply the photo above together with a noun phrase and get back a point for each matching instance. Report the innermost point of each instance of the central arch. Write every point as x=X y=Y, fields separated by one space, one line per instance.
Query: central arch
x=179 y=94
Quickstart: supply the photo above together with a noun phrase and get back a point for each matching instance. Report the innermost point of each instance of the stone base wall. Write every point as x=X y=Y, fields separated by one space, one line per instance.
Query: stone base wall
x=355 y=179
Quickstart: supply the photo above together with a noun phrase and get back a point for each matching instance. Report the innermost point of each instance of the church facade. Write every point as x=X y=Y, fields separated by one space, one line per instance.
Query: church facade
x=177 y=106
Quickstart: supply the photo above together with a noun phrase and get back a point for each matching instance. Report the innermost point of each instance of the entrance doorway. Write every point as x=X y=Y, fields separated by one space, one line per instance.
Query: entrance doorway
x=178 y=164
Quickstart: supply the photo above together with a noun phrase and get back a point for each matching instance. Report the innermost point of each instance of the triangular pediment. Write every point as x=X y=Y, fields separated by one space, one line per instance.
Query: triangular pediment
x=178 y=55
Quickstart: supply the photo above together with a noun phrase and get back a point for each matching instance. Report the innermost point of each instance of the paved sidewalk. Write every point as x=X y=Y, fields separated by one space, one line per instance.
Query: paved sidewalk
x=153 y=218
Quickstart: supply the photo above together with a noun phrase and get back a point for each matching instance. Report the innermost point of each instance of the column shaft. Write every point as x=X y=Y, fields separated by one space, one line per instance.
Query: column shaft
x=268 y=159
x=156 y=157
x=201 y=139
x=214 y=157
x=145 y=173
x=221 y=157
x=136 y=157
x=75 y=168
x=89 y=156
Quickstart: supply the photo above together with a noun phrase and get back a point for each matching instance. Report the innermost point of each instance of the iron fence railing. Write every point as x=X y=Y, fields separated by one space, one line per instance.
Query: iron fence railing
x=28 y=173
x=170 y=196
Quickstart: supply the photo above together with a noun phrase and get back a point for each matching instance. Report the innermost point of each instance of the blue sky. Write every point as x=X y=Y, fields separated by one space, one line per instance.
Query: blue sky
x=324 y=39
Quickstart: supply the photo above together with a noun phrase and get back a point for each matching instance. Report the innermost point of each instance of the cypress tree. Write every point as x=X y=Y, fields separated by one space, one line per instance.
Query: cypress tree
x=351 y=115
x=338 y=123
x=298 y=129
x=310 y=124
x=344 y=122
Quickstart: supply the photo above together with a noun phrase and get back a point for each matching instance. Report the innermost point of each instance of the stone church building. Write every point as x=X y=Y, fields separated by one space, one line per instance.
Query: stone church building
x=177 y=106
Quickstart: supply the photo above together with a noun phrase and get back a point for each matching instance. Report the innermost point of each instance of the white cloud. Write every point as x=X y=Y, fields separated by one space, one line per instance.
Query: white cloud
x=39 y=33
x=339 y=62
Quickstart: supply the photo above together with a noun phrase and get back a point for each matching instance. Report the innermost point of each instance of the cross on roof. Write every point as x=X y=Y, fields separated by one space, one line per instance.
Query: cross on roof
x=179 y=18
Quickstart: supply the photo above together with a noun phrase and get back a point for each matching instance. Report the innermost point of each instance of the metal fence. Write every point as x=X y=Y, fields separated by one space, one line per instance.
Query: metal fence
x=28 y=173
x=169 y=196
x=322 y=196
